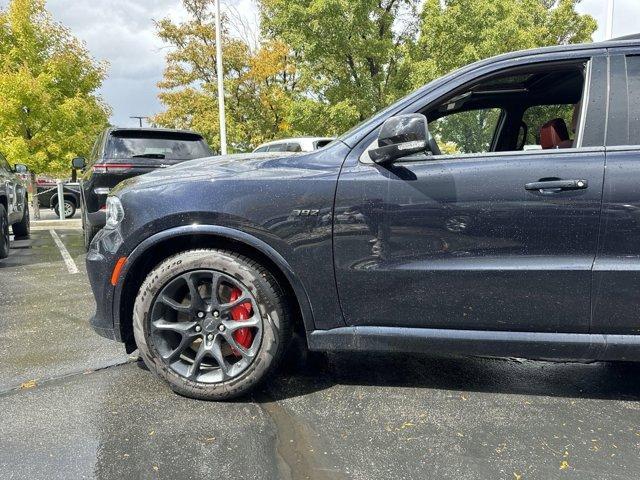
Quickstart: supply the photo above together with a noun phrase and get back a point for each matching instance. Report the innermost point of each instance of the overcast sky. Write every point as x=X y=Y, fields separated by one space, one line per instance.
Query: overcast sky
x=122 y=32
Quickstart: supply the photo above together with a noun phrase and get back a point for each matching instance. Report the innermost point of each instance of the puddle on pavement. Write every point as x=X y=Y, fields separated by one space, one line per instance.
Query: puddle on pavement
x=299 y=454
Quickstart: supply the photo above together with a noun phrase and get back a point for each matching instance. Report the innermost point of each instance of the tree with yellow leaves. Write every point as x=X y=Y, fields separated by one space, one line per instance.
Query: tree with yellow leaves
x=260 y=82
x=49 y=109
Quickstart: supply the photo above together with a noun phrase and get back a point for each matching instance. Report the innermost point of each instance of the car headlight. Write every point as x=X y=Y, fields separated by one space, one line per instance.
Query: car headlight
x=115 y=212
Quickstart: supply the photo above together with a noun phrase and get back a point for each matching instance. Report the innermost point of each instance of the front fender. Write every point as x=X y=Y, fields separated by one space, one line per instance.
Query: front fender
x=215 y=232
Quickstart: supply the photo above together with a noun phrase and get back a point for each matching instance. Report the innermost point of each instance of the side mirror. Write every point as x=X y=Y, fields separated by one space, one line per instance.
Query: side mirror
x=79 y=163
x=401 y=136
x=20 y=168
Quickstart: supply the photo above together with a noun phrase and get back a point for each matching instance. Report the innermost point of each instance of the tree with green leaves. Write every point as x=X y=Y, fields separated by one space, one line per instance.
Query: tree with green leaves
x=323 y=65
x=455 y=33
x=357 y=56
x=353 y=53
x=49 y=109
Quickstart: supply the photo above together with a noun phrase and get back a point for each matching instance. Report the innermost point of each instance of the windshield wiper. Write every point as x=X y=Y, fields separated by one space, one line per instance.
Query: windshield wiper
x=159 y=156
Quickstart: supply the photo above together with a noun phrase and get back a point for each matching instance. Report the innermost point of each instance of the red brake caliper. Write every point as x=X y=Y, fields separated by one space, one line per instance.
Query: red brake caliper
x=243 y=336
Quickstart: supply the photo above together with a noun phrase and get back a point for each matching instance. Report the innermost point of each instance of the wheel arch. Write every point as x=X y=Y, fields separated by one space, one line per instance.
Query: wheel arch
x=162 y=245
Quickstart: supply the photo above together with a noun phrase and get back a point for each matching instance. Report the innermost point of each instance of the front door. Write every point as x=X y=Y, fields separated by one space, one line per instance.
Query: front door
x=482 y=241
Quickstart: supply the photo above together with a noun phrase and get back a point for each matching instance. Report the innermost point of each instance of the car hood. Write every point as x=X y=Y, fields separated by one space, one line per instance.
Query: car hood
x=251 y=165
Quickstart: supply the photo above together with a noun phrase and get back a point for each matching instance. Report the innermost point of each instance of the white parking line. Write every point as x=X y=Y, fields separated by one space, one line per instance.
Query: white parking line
x=71 y=265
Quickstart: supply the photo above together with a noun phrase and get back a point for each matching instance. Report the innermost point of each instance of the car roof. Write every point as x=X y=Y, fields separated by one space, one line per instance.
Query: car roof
x=633 y=36
x=628 y=40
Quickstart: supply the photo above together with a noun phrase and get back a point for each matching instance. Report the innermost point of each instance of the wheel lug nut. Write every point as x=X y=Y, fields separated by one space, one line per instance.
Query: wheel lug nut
x=200 y=314
x=216 y=313
x=210 y=337
x=198 y=328
x=221 y=328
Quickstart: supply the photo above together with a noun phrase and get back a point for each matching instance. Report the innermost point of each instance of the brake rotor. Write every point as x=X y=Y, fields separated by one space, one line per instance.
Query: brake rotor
x=239 y=313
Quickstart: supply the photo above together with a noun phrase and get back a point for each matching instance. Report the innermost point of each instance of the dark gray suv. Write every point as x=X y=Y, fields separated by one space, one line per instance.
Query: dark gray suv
x=14 y=210
x=494 y=212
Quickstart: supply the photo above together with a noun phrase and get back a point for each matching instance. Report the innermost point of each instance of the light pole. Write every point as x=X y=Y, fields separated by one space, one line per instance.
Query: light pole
x=609 y=30
x=220 y=74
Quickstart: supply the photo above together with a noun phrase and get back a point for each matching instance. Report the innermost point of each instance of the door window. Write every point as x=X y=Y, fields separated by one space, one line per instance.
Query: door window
x=94 y=150
x=535 y=117
x=471 y=131
x=624 y=101
x=285 y=147
x=541 y=106
x=277 y=147
x=513 y=111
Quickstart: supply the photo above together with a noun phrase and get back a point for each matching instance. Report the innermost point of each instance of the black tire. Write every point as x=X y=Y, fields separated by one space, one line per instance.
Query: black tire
x=69 y=208
x=22 y=229
x=272 y=315
x=88 y=232
x=4 y=233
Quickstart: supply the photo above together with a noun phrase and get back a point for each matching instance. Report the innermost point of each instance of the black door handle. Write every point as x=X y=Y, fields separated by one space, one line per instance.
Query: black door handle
x=557 y=185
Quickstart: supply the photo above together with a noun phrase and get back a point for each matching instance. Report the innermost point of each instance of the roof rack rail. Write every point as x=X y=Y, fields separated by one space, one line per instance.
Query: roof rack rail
x=634 y=36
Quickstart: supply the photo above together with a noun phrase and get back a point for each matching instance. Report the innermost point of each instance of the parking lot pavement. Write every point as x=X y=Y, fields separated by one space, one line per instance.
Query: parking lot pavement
x=44 y=310
x=50 y=214
x=355 y=416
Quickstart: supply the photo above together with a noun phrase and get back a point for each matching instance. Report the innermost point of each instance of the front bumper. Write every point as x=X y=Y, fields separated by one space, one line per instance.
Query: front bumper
x=101 y=260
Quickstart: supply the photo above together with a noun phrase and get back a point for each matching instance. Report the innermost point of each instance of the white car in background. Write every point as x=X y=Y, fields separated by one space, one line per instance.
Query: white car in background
x=300 y=144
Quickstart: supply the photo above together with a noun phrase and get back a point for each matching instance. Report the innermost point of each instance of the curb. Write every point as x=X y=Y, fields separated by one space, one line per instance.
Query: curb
x=61 y=224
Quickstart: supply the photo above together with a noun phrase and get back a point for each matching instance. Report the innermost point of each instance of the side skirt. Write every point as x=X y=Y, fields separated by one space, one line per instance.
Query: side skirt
x=535 y=345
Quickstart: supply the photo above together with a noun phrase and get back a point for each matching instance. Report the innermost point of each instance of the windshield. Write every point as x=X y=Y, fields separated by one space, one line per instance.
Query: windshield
x=149 y=145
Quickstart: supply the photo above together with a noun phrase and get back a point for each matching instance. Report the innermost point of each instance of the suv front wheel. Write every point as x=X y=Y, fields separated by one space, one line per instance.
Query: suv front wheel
x=212 y=323
x=69 y=208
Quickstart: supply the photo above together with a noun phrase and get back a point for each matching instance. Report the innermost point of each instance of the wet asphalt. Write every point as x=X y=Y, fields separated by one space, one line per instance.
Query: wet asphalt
x=74 y=405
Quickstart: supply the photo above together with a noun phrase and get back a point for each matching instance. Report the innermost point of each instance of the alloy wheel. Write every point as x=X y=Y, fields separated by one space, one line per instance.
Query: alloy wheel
x=68 y=209
x=206 y=326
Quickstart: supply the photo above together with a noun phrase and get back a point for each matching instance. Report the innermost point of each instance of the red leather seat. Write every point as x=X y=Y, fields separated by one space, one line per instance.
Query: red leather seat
x=554 y=134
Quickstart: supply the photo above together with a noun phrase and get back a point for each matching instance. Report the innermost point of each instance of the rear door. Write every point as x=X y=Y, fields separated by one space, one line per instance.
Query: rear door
x=616 y=277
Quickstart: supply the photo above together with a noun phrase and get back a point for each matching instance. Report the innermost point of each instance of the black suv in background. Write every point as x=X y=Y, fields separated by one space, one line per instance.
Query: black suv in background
x=121 y=153
x=14 y=210
x=48 y=197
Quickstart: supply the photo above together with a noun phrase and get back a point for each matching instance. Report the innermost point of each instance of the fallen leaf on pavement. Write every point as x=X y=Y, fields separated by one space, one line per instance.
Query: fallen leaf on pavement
x=29 y=384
